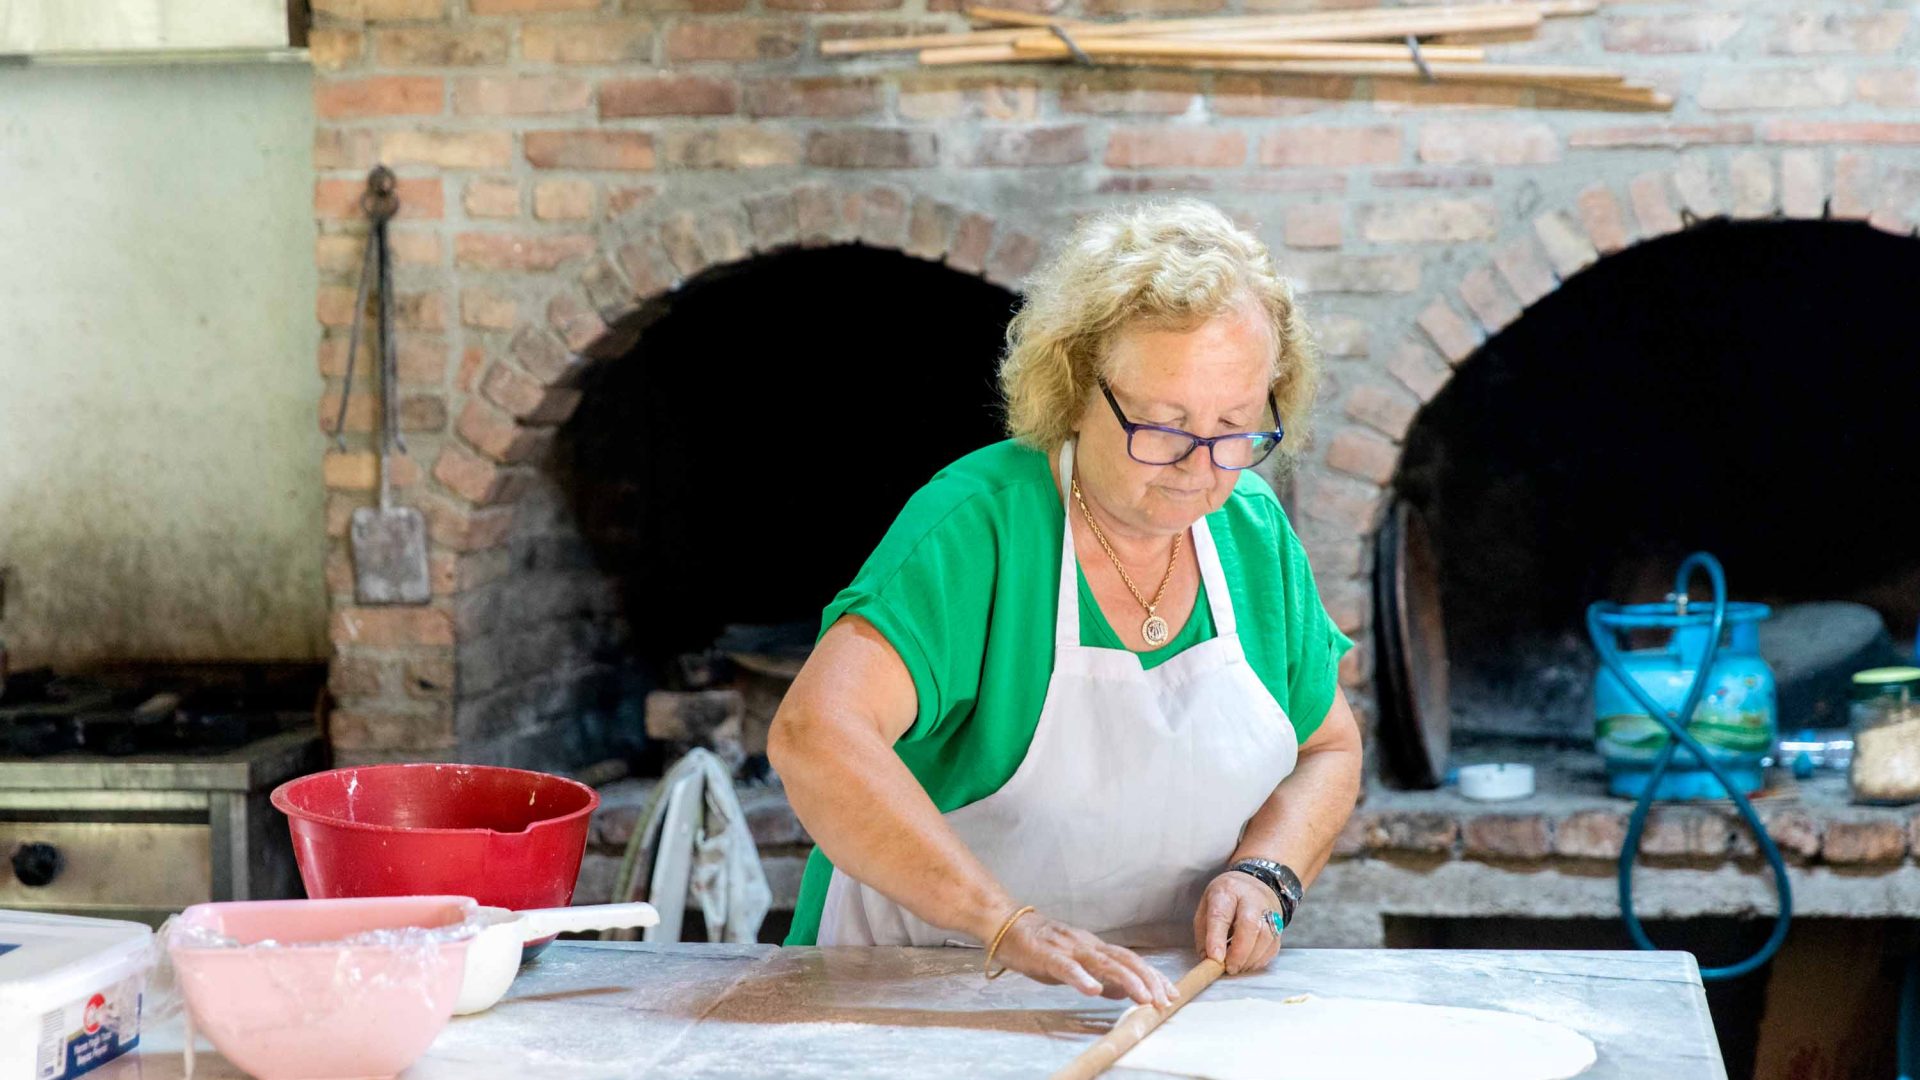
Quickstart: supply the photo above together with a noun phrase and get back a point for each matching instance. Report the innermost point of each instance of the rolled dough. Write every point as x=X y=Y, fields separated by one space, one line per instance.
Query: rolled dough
x=1316 y=1038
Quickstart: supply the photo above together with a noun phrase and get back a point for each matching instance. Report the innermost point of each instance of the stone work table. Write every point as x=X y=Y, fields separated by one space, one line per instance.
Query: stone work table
x=586 y=1010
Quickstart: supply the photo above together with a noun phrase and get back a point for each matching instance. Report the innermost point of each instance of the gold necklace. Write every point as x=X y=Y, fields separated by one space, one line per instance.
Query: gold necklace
x=1154 y=630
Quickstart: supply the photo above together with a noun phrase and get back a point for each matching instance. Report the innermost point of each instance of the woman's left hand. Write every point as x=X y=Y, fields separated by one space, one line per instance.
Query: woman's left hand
x=1233 y=925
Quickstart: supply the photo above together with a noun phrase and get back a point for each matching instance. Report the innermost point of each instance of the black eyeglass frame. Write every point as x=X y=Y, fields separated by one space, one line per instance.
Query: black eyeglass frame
x=1271 y=438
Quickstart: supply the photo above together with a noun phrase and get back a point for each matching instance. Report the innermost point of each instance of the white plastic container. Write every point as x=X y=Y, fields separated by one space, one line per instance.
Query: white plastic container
x=1494 y=783
x=70 y=993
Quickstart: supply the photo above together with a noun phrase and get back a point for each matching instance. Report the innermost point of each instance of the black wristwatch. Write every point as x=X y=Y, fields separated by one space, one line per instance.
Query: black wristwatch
x=1281 y=879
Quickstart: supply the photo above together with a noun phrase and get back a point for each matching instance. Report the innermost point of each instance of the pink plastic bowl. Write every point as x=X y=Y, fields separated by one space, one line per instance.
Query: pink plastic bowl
x=306 y=1005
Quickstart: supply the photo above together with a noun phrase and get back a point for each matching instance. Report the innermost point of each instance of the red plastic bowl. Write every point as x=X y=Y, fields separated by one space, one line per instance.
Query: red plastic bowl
x=506 y=837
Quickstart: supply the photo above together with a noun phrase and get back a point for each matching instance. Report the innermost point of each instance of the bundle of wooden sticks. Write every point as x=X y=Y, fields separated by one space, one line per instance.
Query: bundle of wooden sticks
x=1440 y=43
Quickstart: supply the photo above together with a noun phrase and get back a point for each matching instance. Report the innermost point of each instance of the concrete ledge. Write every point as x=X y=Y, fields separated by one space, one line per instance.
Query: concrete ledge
x=1813 y=822
x=1349 y=905
x=1436 y=854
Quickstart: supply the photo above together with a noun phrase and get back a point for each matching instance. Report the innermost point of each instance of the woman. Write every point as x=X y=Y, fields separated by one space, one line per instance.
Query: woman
x=1084 y=695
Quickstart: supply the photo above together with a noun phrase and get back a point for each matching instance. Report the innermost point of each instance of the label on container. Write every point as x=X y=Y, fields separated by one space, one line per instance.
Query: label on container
x=83 y=1035
x=1734 y=720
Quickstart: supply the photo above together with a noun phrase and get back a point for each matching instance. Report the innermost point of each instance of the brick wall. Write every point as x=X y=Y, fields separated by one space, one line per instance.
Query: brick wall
x=563 y=161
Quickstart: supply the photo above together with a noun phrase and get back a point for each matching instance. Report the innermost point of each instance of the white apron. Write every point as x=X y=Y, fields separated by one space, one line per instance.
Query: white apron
x=1133 y=792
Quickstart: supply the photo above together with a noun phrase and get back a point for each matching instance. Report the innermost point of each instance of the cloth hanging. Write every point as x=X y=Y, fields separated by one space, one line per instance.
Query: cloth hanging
x=726 y=878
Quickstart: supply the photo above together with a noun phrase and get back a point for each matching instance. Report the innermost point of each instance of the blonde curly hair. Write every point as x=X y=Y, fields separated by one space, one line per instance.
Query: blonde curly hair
x=1170 y=264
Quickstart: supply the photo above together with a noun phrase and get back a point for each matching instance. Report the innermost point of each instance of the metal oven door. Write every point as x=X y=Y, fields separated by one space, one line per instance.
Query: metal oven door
x=123 y=869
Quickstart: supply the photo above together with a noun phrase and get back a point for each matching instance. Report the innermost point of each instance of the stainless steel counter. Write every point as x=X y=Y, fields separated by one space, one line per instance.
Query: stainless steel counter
x=591 y=1010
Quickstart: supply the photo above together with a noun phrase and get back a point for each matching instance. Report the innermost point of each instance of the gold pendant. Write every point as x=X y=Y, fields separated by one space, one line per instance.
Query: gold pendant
x=1154 y=631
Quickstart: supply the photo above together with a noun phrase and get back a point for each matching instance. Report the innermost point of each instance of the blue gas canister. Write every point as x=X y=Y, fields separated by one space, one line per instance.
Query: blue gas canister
x=1692 y=719
x=1735 y=721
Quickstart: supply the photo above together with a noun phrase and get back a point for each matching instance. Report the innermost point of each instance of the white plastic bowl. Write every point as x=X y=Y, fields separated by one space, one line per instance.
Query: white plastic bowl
x=493 y=957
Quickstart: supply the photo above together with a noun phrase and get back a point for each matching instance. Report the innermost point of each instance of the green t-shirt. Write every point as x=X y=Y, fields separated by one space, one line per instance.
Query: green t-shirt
x=963 y=586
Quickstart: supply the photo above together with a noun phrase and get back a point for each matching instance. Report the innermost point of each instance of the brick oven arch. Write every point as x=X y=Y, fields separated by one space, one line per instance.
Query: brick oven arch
x=1343 y=488
x=413 y=682
x=524 y=396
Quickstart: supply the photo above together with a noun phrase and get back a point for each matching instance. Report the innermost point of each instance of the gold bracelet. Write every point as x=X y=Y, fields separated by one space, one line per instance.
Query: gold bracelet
x=1002 y=936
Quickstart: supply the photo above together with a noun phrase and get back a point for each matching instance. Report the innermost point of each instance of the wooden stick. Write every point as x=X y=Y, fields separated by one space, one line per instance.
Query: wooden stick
x=1441 y=71
x=1387 y=69
x=1001 y=36
x=1491 y=37
x=939 y=50
x=1393 y=23
x=1500 y=73
x=957 y=39
x=1135 y=1023
x=1443 y=15
x=1055 y=49
x=1598 y=90
x=1237 y=50
x=1010 y=17
x=1646 y=97
x=976 y=54
x=1515 y=22
x=1619 y=93
x=1005 y=35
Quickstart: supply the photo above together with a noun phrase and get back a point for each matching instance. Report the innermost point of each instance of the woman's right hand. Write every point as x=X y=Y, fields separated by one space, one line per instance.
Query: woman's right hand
x=1048 y=951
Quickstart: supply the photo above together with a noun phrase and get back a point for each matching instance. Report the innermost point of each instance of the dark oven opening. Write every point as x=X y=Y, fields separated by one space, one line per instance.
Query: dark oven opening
x=1746 y=389
x=718 y=485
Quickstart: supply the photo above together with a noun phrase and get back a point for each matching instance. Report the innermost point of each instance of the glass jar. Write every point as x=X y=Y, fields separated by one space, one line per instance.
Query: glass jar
x=1885 y=712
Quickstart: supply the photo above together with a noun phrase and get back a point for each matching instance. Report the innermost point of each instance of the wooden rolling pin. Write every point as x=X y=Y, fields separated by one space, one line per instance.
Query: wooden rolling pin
x=1135 y=1023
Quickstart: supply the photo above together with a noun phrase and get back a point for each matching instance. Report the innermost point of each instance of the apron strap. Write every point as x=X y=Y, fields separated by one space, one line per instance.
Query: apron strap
x=1215 y=579
x=1066 y=619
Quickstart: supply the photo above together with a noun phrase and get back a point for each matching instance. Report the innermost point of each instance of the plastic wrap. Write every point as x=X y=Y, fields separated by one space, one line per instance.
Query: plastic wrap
x=317 y=988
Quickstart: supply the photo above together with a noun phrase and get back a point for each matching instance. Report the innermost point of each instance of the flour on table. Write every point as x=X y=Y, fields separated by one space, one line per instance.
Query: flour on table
x=1316 y=1038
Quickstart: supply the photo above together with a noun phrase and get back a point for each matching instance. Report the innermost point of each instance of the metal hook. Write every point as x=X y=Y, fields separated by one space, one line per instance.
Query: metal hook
x=1079 y=54
x=1419 y=59
x=381 y=200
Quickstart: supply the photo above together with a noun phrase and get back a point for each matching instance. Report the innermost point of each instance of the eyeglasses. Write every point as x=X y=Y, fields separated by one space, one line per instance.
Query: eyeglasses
x=1151 y=444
